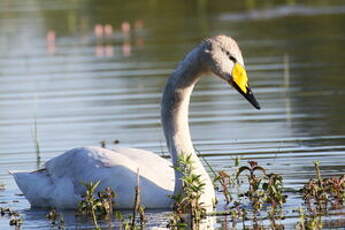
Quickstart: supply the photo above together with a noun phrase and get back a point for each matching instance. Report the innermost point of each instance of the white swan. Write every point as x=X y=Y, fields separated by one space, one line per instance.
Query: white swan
x=58 y=184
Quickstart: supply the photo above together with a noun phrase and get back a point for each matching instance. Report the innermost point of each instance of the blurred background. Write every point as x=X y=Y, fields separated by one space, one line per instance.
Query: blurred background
x=81 y=72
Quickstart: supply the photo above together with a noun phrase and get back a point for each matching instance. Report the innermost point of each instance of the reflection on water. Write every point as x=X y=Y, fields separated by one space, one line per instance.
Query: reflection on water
x=90 y=71
x=284 y=11
x=51 y=42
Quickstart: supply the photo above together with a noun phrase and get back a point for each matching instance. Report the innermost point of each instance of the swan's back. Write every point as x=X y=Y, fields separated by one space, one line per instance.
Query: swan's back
x=59 y=184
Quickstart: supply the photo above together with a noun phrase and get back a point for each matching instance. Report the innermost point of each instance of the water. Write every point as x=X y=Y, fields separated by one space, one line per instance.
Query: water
x=81 y=88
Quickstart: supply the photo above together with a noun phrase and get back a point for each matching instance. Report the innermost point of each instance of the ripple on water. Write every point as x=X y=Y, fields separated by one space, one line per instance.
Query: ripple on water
x=79 y=98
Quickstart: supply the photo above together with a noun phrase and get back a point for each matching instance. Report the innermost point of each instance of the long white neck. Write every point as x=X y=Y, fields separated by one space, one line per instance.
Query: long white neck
x=174 y=115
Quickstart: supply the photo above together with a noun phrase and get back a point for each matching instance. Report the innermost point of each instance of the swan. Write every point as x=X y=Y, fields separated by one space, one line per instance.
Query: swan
x=58 y=184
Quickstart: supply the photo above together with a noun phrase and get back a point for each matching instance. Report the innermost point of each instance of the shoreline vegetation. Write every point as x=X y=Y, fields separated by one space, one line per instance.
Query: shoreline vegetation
x=254 y=199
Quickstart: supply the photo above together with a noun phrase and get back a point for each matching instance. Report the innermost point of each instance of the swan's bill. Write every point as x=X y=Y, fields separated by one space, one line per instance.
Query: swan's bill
x=239 y=77
x=240 y=83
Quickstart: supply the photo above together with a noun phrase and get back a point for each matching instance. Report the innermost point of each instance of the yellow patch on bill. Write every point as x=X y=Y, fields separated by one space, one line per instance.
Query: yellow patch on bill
x=239 y=76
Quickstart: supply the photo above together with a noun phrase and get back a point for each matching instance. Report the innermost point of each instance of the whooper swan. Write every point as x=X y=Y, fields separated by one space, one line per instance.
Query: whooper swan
x=58 y=184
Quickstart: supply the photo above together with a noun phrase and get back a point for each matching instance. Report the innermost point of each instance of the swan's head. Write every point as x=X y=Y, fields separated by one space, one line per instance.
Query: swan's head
x=225 y=60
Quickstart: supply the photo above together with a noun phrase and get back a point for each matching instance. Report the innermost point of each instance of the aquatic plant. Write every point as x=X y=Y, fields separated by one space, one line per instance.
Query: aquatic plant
x=263 y=189
x=8 y=212
x=127 y=223
x=254 y=193
x=237 y=213
x=311 y=222
x=16 y=221
x=137 y=207
x=89 y=204
x=320 y=194
x=36 y=143
x=103 y=144
x=15 y=218
x=224 y=181
x=188 y=210
x=102 y=207
x=56 y=220
x=96 y=207
x=319 y=191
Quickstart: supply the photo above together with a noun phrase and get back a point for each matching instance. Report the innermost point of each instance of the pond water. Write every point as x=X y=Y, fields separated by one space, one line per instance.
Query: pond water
x=87 y=71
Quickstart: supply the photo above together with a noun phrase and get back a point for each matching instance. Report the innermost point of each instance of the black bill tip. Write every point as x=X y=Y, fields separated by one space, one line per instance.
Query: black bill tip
x=249 y=96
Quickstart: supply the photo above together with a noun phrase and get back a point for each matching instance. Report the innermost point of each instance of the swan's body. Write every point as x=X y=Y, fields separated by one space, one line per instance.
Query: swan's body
x=58 y=184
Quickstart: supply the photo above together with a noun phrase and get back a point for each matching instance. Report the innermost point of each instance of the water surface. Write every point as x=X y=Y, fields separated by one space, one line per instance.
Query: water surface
x=80 y=87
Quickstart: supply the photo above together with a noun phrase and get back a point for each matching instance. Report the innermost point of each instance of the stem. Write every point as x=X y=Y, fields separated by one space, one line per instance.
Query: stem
x=318 y=173
x=136 y=201
x=36 y=144
x=94 y=218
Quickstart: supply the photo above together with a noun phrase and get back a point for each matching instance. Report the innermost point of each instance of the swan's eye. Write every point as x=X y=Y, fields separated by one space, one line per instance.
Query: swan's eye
x=232 y=58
